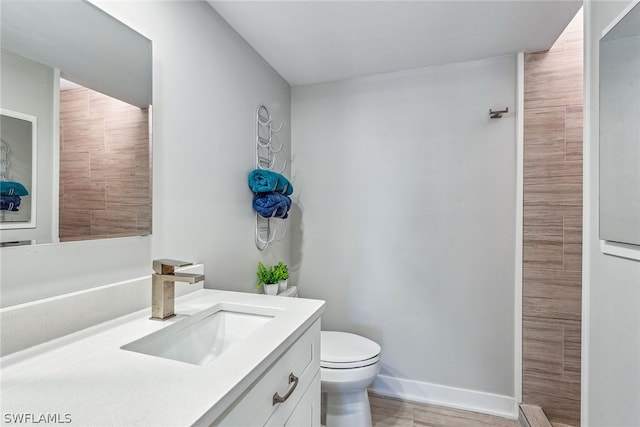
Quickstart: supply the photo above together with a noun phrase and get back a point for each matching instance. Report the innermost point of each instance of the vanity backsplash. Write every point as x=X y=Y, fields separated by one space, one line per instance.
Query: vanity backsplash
x=29 y=324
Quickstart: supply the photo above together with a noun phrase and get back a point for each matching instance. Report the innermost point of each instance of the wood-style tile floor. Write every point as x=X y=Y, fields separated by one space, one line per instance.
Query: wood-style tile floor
x=388 y=412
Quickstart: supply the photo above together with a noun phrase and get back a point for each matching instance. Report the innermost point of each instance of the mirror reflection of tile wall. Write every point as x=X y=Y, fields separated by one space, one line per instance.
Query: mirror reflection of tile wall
x=105 y=167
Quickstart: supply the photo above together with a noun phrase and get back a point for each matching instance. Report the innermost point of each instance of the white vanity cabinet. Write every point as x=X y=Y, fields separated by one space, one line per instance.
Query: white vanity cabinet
x=295 y=378
x=98 y=380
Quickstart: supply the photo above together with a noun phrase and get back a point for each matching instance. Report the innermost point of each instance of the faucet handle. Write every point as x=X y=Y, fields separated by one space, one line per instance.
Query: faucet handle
x=167 y=266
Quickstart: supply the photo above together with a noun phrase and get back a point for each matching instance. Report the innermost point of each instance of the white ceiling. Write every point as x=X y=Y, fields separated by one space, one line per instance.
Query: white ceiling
x=318 y=41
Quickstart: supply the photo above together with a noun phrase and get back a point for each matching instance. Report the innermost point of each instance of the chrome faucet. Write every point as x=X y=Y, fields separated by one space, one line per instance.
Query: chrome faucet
x=163 y=286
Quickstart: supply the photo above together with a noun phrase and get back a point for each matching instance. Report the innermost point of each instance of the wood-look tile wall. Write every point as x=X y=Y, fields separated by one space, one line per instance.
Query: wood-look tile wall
x=552 y=263
x=105 y=167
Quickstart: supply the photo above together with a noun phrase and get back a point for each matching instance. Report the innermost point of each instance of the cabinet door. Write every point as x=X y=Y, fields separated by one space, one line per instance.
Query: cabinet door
x=306 y=412
x=256 y=407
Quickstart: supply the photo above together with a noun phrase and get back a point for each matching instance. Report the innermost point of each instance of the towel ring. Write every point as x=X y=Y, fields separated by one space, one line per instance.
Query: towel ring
x=263 y=116
x=273 y=150
x=261 y=243
x=260 y=161
x=284 y=167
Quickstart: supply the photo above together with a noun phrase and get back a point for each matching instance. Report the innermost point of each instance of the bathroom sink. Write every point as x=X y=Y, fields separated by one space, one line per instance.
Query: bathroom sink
x=204 y=336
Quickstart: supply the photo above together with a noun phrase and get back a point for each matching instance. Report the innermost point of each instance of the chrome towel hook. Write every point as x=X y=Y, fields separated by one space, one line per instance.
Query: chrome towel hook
x=498 y=113
x=266 y=230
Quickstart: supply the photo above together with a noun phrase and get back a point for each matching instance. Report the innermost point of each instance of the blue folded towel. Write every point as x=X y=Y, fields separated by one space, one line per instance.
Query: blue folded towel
x=272 y=205
x=10 y=188
x=264 y=181
x=9 y=203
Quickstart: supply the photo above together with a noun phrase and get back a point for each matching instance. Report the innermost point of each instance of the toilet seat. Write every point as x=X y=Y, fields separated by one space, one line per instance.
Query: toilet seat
x=342 y=350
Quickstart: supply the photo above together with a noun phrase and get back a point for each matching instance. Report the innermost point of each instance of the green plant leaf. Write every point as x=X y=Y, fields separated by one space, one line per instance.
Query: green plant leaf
x=266 y=275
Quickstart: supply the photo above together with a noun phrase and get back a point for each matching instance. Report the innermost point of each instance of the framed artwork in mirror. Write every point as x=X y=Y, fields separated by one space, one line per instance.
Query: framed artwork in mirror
x=18 y=157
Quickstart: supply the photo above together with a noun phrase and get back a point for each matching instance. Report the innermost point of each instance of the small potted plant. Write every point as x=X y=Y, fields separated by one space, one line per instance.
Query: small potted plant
x=268 y=279
x=282 y=274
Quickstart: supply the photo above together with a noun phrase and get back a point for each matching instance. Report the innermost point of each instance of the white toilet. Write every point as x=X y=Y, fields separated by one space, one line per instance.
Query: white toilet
x=348 y=365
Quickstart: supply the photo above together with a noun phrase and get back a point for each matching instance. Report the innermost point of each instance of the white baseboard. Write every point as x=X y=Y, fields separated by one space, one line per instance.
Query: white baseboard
x=458 y=398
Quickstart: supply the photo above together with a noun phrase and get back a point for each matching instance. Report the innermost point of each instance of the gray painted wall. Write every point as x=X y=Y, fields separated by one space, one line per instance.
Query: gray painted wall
x=613 y=284
x=405 y=217
x=27 y=87
x=208 y=83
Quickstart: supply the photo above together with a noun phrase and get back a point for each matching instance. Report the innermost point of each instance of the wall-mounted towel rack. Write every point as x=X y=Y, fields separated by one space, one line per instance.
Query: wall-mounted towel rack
x=4 y=165
x=265 y=152
x=266 y=158
x=4 y=161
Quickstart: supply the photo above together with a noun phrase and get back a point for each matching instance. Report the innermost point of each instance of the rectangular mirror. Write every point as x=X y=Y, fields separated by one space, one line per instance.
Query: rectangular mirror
x=87 y=79
x=620 y=129
x=18 y=157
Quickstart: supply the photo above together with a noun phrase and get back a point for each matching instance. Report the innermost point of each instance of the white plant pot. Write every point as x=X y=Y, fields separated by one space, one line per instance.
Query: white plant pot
x=282 y=285
x=271 y=289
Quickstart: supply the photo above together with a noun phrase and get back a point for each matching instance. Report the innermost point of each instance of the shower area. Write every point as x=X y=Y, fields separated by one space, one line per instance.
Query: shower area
x=552 y=228
x=105 y=166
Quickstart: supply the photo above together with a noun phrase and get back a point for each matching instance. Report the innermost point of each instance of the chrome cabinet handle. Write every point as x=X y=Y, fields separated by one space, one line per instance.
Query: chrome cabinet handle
x=279 y=399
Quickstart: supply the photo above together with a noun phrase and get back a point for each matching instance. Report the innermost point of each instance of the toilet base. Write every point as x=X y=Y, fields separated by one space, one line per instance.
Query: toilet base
x=347 y=409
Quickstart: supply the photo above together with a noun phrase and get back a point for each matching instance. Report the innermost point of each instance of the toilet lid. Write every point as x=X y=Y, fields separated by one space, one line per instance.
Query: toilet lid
x=343 y=350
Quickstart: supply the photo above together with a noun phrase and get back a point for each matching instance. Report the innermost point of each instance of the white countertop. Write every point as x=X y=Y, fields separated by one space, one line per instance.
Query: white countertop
x=86 y=377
